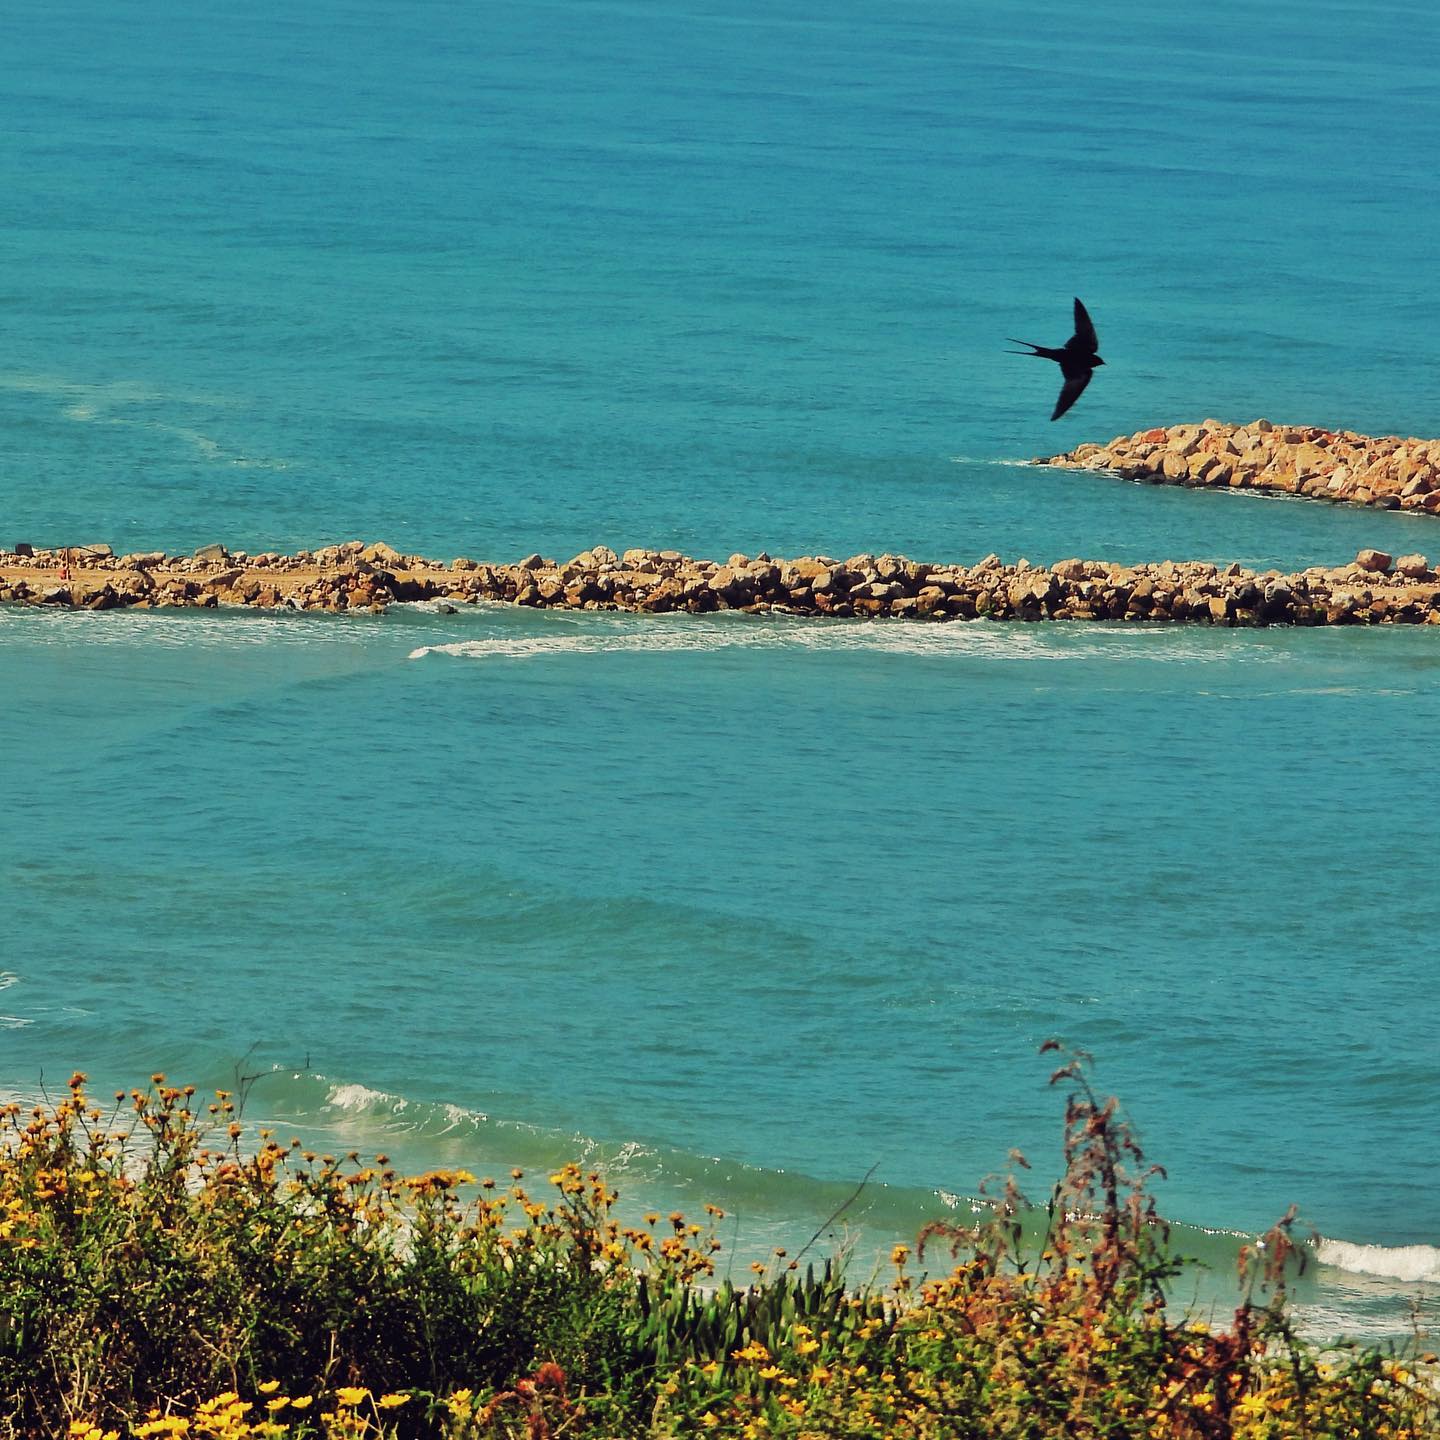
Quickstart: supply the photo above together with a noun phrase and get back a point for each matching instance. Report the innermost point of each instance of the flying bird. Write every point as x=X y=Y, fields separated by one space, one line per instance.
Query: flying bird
x=1077 y=358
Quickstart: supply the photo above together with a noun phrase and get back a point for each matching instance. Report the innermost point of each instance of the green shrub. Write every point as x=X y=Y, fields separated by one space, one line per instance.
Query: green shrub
x=160 y=1277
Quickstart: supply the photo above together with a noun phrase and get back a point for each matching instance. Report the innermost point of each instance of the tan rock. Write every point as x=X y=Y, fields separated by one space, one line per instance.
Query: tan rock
x=1375 y=562
x=728 y=584
x=806 y=568
x=876 y=590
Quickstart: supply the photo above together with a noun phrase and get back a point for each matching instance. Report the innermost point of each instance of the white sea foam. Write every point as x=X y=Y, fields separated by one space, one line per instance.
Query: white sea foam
x=458 y=1117
x=1411 y=1263
x=629 y=1153
x=223 y=629
x=689 y=634
x=991 y=460
x=360 y=1099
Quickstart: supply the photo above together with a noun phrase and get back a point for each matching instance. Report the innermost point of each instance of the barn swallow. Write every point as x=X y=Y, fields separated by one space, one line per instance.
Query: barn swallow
x=1077 y=359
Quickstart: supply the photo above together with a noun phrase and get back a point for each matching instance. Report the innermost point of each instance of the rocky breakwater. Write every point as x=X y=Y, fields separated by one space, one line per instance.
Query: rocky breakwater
x=1338 y=465
x=1373 y=589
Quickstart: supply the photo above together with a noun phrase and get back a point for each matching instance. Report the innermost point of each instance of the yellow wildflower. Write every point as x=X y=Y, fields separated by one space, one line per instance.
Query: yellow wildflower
x=350 y=1396
x=392 y=1400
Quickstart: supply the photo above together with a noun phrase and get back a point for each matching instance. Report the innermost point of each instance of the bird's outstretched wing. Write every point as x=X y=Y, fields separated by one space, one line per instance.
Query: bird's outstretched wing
x=1070 y=390
x=1084 y=330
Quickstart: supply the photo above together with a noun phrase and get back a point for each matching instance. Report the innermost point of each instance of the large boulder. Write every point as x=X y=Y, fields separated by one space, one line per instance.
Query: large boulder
x=730 y=586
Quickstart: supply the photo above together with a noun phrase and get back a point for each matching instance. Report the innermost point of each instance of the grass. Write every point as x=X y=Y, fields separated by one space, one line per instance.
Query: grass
x=162 y=1272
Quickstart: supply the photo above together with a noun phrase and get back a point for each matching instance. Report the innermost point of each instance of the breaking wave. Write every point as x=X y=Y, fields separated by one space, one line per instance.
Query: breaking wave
x=1412 y=1264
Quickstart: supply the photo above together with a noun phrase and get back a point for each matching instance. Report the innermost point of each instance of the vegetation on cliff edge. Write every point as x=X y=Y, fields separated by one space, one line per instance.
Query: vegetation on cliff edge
x=162 y=1273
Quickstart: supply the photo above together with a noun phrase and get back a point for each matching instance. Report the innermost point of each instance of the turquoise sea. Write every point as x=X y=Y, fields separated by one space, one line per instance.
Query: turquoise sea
x=738 y=907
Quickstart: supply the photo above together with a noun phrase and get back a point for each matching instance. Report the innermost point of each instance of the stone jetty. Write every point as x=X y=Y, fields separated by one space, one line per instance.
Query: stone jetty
x=356 y=577
x=1337 y=465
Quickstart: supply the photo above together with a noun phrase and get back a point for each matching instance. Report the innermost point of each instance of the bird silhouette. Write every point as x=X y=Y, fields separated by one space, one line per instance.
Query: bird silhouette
x=1077 y=358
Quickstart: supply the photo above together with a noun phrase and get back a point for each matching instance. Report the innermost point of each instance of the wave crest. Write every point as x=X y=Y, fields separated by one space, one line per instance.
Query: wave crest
x=1411 y=1263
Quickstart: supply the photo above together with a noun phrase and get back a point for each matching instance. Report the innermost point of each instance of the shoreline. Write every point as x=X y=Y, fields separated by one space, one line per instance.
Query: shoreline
x=1375 y=588
x=1339 y=466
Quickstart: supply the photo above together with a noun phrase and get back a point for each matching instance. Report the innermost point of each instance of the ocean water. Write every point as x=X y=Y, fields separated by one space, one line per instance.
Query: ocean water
x=740 y=908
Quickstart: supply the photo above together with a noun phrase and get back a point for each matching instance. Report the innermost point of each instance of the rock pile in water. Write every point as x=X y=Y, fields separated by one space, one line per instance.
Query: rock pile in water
x=1373 y=589
x=1388 y=472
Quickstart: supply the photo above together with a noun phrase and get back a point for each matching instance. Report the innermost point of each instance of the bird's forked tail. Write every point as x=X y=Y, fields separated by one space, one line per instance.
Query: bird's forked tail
x=1038 y=352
